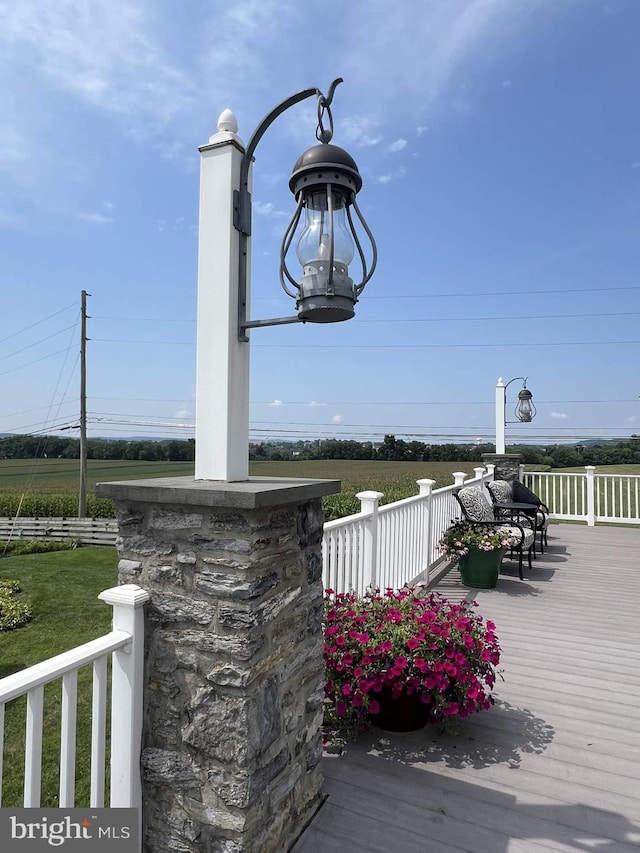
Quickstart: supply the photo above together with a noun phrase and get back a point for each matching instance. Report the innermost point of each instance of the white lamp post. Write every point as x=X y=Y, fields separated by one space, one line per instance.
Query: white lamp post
x=525 y=410
x=325 y=182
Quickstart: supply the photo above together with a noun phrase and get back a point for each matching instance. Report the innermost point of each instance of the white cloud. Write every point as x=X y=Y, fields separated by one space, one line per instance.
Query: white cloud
x=337 y=419
x=95 y=218
x=398 y=145
x=104 y=54
x=359 y=130
x=630 y=420
x=562 y=416
x=448 y=40
x=422 y=130
x=506 y=84
x=182 y=413
x=267 y=208
x=276 y=403
x=314 y=403
x=392 y=176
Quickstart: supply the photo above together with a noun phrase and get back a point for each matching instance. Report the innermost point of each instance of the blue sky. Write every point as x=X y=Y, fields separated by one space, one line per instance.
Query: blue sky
x=499 y=144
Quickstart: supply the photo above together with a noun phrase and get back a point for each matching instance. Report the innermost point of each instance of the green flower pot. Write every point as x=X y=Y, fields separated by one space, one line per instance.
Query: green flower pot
x=480 y=569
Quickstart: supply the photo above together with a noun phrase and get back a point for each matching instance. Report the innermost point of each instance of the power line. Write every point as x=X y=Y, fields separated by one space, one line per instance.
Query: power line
x=307 y=345
x=319 y=403
x=42 y=340
x=510 y=345
x=37 y=323
x=489 y=318
x=494 y=318
x=511 y=293
x=35 y=361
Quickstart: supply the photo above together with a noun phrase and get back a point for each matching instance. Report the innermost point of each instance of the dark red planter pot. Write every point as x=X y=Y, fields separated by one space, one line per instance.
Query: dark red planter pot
x=402 y=714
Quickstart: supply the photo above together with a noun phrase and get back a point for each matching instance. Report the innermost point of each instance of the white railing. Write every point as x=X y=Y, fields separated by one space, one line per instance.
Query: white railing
x=388 y=546
x=588 y=497
x=125 y=644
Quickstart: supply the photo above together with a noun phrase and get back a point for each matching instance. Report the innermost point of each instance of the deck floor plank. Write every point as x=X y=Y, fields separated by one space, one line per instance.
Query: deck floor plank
x=555 y=765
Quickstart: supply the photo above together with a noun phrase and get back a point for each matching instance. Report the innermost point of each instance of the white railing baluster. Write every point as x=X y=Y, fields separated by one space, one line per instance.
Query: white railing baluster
x=1 y=746
x=98 y=733
x=68 y=716
x=33 y=747
x=425 y=487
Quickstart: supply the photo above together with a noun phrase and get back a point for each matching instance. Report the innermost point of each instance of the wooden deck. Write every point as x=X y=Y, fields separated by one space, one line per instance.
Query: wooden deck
x=555 y=765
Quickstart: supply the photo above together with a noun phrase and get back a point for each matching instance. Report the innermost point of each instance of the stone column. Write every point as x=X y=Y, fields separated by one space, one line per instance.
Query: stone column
x=234 y=670
x=507 y=465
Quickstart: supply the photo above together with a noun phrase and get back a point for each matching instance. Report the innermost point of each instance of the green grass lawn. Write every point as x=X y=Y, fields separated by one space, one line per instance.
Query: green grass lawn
x=62 y=588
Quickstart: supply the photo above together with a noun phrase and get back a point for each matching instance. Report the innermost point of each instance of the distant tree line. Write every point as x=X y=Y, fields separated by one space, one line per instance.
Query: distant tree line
x=145 y=450
x=623 y=452
x=394 y=449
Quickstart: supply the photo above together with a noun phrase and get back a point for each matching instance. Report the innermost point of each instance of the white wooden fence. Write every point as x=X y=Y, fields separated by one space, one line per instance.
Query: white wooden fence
x=125 y=645
x=388 y=546
x=588 y=497
x=88 y=531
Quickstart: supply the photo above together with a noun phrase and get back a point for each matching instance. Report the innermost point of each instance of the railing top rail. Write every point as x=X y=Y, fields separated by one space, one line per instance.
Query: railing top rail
x=337 y=523
x=621 y=476
x=345 y=520
x=19 y=683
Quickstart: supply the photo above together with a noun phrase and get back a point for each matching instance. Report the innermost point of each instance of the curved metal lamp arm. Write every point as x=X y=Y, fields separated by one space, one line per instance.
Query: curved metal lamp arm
x=523 y=378
x=244 y=214
x=242 y=196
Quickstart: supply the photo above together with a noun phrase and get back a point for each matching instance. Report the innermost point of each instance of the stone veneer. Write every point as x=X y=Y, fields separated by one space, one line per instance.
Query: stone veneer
x=507 y=465
x=234 y=670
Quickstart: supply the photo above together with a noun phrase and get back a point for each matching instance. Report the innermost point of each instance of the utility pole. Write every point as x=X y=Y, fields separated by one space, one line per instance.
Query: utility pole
x=82 y=499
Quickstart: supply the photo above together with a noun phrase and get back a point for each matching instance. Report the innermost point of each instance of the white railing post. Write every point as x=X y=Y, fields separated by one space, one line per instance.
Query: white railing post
x=491 y=470
x=591 y=496
x=369 y=506
x=127 y=679
x=425 y=488
x=479 y=473
x=459 y=477
x=501 y=398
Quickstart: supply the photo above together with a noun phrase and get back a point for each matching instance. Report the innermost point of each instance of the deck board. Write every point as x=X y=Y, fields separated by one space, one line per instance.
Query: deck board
x=555 y=765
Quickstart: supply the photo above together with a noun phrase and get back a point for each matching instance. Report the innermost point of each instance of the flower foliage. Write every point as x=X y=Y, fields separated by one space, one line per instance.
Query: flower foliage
x=461 y=536
x=13 y=613
x=405 y=642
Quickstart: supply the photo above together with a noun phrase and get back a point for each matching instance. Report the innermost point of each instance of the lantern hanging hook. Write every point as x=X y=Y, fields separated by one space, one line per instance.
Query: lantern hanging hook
x=325 y=134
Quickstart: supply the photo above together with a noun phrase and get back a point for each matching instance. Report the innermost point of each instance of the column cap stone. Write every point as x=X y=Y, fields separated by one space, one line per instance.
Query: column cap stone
x=253 y=493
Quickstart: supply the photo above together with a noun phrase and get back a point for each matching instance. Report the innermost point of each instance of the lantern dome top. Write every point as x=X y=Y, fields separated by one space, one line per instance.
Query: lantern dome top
x=323 y=164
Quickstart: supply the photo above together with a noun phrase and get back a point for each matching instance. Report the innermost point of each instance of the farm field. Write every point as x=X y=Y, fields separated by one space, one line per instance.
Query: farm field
x=49 y=486
x=62 y=474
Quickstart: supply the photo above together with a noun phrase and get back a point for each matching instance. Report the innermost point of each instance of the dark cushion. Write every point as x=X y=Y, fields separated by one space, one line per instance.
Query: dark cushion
x=523 y=495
